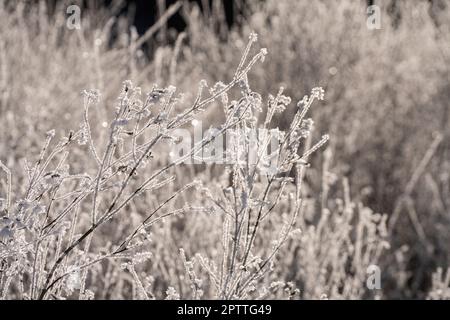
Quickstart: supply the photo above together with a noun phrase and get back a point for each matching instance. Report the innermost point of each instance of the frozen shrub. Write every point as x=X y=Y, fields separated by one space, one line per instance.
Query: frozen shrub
x=51 y=237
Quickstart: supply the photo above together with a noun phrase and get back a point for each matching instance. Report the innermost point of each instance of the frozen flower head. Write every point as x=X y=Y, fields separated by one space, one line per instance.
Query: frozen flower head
x=285 y=100
x=263 y=54
x=318 y=93
x=50 y=134
x=127 y=85
x=171 y=89
x=172 y=294
x=203 y=83
x=253 y=37
x=92 y=96
x=137 y=91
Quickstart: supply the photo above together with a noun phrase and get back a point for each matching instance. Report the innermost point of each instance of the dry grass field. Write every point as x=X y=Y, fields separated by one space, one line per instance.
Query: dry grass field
x=298 y=154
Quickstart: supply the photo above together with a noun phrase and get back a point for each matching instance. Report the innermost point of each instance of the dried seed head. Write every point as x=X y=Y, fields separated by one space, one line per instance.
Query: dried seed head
x=92 y=95
x=318 y=93
x=253 y=37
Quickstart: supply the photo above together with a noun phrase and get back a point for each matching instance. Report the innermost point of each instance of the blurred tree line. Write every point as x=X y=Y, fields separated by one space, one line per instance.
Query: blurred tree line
x=144 y=13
